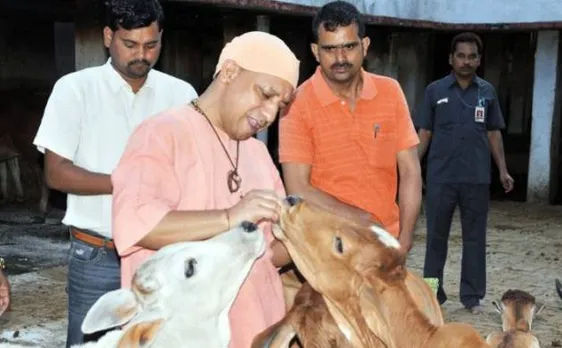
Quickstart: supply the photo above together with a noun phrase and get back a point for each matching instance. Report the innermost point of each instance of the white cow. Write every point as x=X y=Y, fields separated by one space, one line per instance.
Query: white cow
x=182 y=294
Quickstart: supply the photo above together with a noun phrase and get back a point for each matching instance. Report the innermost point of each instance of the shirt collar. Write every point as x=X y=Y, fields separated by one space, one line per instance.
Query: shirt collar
x=450 y=80
x=327 y=96
x=116 y=81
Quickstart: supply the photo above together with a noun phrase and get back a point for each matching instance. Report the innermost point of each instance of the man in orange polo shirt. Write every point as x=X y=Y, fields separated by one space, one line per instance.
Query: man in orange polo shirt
x=348 y=131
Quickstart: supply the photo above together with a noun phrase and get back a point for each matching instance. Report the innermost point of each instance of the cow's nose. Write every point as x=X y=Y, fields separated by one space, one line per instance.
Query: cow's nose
x=293 y=200
x=249 y=226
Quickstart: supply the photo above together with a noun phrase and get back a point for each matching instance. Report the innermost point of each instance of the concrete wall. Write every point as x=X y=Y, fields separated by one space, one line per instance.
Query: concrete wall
x=454 y=11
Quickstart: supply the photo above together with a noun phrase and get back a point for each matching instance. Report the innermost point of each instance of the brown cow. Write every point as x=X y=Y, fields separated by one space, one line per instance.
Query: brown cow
x=309 y=319
x=518 y=309
x=291 y=286
x=360 y=271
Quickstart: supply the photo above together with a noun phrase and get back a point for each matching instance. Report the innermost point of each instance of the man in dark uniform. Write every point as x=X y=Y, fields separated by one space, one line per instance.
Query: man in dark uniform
x=461 y=117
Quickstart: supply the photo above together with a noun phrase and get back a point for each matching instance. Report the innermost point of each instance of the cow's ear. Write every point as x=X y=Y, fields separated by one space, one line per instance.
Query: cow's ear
x=540 y=307
x=279 y=335
x=497 y=307
x=114 y=308
x=374 y=319
x=141 y=334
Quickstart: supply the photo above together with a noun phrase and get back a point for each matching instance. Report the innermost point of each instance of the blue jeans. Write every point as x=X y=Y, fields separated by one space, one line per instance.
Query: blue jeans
x=92 y=272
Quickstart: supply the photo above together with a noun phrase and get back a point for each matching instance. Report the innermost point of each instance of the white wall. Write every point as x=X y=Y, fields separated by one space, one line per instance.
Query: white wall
x=457 y=11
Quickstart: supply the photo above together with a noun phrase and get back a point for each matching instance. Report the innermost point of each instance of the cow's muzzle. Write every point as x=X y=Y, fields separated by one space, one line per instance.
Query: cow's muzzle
x=249 y=226
x=293 y=200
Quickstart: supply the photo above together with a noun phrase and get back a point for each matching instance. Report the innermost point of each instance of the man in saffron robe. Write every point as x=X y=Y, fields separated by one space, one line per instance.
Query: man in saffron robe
x=195 y=171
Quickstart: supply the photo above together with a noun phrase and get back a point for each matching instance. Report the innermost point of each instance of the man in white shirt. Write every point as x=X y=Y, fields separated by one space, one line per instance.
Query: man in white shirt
x=86 y=124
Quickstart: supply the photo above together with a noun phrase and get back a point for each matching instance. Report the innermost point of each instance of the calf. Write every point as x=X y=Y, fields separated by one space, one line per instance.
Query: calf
x=190 y=286
x=517 y=309
x=361 y=273
x=291 y=286
x=309 y=319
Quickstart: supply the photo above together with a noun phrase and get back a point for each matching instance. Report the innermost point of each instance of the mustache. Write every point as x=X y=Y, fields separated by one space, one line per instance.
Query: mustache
x=341 y=65
x=139 y=61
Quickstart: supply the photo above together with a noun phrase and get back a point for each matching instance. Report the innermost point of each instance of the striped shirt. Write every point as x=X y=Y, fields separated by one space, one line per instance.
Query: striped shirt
x=352 y=154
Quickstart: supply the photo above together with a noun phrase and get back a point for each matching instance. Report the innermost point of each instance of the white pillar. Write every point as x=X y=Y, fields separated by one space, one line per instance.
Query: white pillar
x=262 y=24
x=539 y=183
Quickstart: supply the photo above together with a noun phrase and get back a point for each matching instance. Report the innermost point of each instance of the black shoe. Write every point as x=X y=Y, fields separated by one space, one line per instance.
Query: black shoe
x=441 y=296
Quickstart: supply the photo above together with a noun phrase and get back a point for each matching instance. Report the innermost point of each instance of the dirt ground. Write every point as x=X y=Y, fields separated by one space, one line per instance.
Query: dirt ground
x=524 y=252
x=35 y=255
x=524 y=244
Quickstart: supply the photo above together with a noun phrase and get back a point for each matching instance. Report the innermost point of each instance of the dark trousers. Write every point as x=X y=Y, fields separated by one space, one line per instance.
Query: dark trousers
x=473 y=203
x=92 y=272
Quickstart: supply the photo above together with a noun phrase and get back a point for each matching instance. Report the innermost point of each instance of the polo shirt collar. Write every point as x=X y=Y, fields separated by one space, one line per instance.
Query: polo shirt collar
x=327 y=96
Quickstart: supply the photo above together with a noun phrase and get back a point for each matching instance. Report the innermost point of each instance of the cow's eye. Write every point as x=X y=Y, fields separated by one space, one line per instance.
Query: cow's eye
x=189 y=269
x=338 y=244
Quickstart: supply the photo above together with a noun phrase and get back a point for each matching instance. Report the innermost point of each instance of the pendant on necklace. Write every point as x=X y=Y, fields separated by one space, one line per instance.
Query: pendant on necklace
x=233 y=180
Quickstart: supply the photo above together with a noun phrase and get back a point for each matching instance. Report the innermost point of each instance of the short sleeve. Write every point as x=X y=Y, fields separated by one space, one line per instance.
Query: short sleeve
x=145 y=187
x=295 y=135
x=407 y=136
x=423 y=116
x=495 y=119
x=60 y=126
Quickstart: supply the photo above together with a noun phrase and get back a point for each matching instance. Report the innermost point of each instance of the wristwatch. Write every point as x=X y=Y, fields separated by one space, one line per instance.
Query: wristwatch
x=2 y=264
